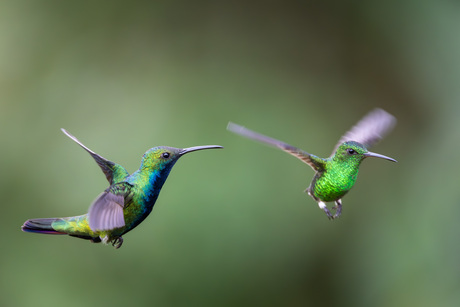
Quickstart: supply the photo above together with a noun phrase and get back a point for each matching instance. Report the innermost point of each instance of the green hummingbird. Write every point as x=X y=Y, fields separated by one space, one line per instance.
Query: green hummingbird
x=336 y=175
x=124 y=204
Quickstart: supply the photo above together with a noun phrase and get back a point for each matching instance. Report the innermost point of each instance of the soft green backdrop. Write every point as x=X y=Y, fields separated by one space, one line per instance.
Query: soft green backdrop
x=231 y=227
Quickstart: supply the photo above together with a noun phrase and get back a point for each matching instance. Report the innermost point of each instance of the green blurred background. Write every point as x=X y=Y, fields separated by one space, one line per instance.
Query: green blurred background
x=231 y=227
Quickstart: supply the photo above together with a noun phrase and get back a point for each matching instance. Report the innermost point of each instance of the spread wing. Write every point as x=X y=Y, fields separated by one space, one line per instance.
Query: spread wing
x=113 y=172
x=106 y=212
x=316 y=163
x=370 y=129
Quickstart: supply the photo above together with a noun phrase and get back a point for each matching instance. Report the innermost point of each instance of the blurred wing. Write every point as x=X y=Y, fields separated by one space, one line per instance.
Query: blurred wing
x=315 y=162
x=113 y=172
x=370 y=129
x=106 y=212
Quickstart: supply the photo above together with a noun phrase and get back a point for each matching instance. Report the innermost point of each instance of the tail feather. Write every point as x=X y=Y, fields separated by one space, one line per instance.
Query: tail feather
x=41 y=226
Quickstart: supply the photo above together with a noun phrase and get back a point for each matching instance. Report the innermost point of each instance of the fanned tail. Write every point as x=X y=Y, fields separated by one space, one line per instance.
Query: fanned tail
x=41 y=226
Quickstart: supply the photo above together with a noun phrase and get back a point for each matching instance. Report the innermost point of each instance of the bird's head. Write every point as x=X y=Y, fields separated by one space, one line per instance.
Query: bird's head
x=354 y=152
x=163 y=157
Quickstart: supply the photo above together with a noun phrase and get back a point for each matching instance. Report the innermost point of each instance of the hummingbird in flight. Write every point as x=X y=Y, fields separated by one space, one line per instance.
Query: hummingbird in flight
x=336 y=175
x=124 y=204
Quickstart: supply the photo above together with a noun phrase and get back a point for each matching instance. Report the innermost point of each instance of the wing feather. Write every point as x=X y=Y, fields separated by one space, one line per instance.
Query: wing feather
x=113 y=171
x=370 y=129
x=106 y=212
x=315 y=162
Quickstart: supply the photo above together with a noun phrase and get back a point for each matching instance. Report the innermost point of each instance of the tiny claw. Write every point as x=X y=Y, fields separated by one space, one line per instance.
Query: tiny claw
x=329 y=214
x=117 y=242
x=338 y=208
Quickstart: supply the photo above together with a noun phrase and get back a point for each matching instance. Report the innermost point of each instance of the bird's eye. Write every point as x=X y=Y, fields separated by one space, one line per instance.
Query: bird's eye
x=351 y=151
x=165 y=155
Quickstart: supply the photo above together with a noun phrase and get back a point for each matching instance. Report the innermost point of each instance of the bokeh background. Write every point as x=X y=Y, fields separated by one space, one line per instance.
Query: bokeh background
x=231 y=227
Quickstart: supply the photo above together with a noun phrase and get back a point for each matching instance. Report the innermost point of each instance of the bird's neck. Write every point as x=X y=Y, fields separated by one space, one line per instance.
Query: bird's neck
x=344 y=167
x=350 y=163
x=149 y=183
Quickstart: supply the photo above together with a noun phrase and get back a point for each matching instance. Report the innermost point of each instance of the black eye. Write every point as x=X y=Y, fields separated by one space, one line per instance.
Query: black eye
x=351 y=151
x=165 y=155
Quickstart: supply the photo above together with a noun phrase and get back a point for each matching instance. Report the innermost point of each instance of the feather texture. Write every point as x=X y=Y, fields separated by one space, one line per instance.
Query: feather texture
x=41 y=226
x=315 y=162
x=113 y=171
x=106 y=212
x=370 y=129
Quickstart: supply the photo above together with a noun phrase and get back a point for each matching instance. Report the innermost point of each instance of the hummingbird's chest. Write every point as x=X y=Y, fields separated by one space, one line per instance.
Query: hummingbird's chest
x=135 y=211
x=145 y=188
x=139 y=207
x=333 y=184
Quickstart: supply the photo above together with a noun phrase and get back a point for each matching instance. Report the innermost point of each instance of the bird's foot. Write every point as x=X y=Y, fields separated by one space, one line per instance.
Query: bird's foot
x=117 y=242
x=322 y=205
x=338 y=208
x=329 y=214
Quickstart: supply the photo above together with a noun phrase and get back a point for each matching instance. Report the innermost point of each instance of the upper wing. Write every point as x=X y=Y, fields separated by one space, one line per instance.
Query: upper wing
x=106 y=212
x=113 y=171
x=316 y=163
x=370 y=129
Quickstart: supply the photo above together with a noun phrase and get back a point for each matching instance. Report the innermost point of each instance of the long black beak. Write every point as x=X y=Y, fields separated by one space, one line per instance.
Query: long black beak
x=195 y=148
x=376 y=155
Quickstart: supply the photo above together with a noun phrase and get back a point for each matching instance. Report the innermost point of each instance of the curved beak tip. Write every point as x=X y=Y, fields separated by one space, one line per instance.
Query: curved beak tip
x=195 y=148
x=376 y=155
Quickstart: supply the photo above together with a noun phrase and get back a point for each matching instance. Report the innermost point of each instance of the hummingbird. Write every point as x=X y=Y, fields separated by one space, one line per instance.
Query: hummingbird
x=336 y=175
x=124 y=204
